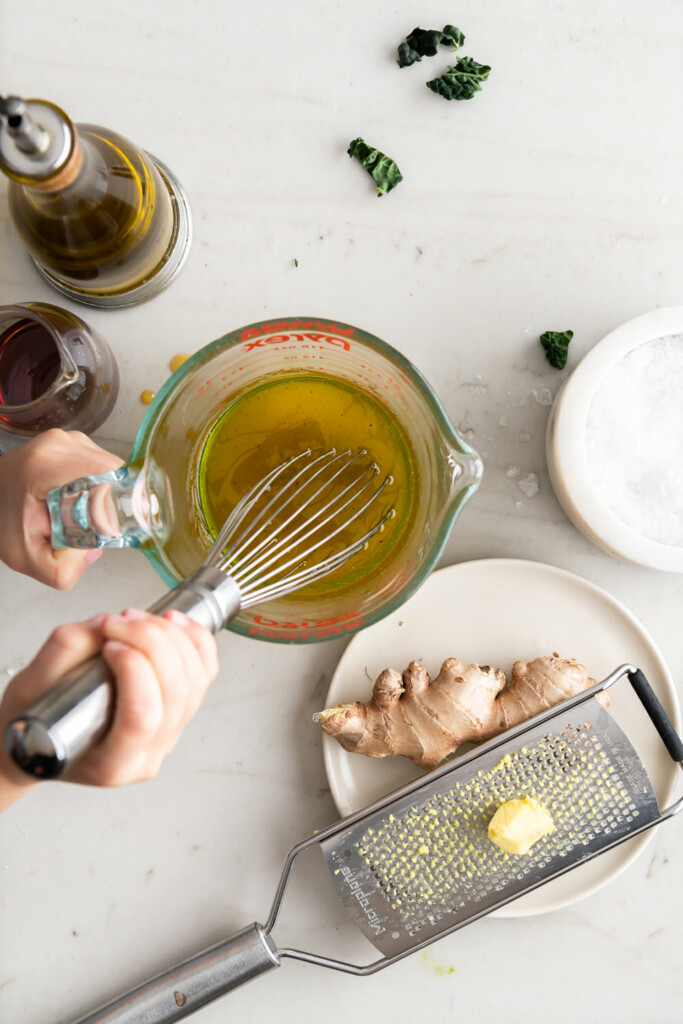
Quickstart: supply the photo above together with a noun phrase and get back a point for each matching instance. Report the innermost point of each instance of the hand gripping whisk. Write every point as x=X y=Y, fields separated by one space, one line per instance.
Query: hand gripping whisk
x=269 y=546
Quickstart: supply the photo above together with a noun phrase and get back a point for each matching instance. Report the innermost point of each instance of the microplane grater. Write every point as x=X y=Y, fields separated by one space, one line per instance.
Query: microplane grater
x=425 y=863
x=417 y=865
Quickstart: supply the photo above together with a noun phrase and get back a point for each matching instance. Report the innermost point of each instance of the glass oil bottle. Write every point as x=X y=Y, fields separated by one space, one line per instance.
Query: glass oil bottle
x=104 y=222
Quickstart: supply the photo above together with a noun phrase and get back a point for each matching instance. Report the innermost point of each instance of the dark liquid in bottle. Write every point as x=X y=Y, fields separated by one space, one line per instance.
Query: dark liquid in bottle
x=29 y=362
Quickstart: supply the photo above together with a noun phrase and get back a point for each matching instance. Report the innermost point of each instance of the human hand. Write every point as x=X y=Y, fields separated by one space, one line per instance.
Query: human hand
x=26 y=475
x=162 y=667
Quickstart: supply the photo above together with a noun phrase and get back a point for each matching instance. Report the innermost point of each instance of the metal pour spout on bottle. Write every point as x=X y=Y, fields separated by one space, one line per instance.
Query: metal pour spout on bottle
x=104 y=222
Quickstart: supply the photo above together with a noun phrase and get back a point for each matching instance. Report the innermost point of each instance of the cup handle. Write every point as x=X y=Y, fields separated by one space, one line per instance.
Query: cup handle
x=110 y=510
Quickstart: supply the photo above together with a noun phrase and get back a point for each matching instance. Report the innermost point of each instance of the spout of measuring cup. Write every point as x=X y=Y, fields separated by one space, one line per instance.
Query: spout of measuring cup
x=111 y=510
x=465 y=471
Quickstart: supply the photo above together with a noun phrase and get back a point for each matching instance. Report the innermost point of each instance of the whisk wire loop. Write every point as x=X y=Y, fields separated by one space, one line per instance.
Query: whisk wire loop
x=293 y=540
x=276 y=505
x=275 y=560
x=295 y=580
x=245 y=504
x=265 y=550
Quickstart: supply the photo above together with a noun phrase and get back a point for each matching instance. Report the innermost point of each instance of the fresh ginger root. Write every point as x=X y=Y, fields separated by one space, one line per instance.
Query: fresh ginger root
x=518 y=824
x=426 y=720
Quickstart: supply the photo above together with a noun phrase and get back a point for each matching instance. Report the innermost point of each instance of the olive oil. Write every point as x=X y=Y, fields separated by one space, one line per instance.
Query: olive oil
x=107 y=231
x=283 y=417
x=103 y=221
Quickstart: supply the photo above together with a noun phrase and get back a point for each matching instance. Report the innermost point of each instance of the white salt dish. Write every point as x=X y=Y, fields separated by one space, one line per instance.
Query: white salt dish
x=638 y=523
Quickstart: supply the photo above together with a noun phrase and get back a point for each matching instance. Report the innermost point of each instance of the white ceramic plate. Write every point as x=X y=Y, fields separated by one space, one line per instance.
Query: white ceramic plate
x=494 y=612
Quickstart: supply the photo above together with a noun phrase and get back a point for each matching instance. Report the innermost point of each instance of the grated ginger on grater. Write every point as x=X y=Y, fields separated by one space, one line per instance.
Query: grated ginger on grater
x=518 y=824
x=439 y=855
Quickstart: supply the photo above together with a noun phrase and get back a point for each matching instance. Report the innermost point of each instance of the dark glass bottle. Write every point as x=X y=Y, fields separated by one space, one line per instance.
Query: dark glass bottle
x=55 y=371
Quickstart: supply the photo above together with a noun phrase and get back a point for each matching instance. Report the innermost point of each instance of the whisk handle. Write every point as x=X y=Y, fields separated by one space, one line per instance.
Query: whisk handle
x=60 y=726
x=188 y=986
x=208 y=596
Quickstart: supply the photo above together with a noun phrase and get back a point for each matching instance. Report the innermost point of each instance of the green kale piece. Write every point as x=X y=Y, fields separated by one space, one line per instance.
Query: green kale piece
x=452 y=36
x=425 y=42
x=420 y=43
x=382 y=168
x=556 y=344
x=461 y=81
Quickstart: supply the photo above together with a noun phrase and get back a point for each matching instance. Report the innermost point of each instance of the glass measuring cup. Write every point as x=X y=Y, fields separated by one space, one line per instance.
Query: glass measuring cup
x=153 y=501
x=55 y=371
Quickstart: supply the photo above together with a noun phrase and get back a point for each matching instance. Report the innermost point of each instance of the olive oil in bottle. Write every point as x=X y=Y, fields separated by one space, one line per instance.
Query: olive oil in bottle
x=103 y=221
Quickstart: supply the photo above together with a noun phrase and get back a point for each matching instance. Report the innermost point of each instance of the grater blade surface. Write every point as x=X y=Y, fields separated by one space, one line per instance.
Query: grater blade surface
x=424 y=865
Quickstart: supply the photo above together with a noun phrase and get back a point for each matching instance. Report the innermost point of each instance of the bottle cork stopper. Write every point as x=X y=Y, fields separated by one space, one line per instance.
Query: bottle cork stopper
x=67 y=174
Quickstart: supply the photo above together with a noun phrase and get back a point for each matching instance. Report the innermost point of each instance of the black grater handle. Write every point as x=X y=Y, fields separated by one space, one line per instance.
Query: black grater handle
x=658 y=715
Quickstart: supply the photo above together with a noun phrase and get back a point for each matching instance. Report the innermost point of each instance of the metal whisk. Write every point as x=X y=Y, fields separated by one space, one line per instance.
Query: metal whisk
x=265 y=549
x=266 y=556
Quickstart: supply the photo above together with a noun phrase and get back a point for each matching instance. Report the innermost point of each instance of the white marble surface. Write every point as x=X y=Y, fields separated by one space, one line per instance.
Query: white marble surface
x=552 y=200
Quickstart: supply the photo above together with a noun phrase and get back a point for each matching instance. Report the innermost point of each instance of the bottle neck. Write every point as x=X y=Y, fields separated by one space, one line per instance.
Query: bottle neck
x=67 y=174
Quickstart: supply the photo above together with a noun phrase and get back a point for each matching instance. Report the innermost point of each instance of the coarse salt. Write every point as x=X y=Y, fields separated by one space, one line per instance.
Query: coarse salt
x=529 y=485
x=543 y=395
x=634 y=440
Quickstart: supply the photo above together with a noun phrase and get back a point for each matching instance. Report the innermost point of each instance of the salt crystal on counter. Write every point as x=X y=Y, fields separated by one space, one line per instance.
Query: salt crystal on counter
x=543 y=395
x=634 y=440
x=512 y=471
x=529 y=485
